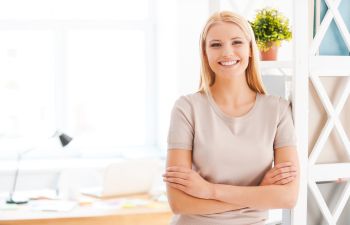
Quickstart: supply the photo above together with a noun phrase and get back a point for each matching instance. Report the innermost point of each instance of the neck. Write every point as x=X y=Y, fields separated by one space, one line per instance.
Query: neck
x=232 y=91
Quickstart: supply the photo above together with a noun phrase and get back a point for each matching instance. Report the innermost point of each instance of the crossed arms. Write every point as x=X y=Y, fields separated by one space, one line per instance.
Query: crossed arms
x=189 y=193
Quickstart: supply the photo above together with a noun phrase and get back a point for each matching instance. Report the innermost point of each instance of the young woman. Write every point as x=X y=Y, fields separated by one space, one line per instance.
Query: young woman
x=224 y=138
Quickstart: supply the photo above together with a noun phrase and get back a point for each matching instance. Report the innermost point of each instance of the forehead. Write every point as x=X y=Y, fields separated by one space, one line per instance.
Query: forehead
x=224 y=30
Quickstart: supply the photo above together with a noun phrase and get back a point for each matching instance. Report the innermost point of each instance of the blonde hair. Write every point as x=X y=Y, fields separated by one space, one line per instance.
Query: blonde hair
x=253 y=76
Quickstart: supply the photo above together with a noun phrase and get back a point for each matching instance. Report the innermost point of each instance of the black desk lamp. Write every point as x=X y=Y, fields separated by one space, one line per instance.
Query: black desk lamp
x=64 y=140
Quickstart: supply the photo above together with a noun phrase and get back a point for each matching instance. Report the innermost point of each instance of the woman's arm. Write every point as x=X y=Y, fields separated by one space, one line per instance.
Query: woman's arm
x=259 y=197
x=182 y=203
x=264 y=197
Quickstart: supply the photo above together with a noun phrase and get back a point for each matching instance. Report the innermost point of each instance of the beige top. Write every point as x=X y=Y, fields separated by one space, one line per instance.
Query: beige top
x=230 y=150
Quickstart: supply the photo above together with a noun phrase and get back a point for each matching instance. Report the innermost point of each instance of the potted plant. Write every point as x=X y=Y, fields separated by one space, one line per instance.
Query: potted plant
x=270 y=28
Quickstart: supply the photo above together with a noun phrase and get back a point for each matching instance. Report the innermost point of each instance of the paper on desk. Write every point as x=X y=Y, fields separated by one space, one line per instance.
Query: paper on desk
x=5 y=206
x=131 y=203
x=52 y=205
x=123 y=203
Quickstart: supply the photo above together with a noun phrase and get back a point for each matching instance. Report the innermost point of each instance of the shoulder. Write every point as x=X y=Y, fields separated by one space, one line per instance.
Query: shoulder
x=190 y=100
x=277 y=102
x=276 y=105
x=186 y=106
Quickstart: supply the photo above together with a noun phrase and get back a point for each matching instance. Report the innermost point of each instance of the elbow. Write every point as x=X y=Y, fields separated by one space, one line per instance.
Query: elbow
x=175 y=210
x=173 y=201
x=179 y=202
x=290 y=201
x=174 y=207
x=289 y=197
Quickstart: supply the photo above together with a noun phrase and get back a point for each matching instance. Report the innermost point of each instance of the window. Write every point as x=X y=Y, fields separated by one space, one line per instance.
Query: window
x=84 y=67
x=27 y=73
x=106 y=72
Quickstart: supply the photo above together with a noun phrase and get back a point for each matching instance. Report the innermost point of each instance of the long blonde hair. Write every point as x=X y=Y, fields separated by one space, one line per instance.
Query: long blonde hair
x=253 y=76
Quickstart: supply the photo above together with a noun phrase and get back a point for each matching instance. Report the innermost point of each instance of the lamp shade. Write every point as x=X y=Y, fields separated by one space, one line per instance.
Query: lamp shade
x=65 y=139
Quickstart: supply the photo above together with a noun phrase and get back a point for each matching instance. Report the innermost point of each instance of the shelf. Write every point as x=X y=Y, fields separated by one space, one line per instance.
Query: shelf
x=320 y=65
x=276 y=68
x=275 y=64
x=329 y=172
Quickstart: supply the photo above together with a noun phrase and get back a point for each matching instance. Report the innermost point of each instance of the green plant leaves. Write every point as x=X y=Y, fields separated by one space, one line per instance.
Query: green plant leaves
x=270 y=26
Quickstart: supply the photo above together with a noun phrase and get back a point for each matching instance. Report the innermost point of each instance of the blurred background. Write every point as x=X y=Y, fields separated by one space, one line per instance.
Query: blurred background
x=106 y=73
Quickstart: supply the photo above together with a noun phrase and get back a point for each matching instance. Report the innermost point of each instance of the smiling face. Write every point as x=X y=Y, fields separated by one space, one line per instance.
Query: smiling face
x=227 y=50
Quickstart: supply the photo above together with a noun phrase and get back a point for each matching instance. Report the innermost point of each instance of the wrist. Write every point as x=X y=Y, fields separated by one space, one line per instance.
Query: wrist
x=263 y=183
x=212 y=191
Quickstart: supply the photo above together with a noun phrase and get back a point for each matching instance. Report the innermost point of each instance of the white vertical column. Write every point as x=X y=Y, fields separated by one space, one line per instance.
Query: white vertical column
x=301 y=32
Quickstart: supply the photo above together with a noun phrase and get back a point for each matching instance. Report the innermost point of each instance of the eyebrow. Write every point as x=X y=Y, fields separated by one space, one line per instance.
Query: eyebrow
x=231 y=39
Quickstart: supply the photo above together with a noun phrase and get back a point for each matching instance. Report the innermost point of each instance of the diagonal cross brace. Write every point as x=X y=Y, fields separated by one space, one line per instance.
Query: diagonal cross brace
x=333 y=118
x=323 y=27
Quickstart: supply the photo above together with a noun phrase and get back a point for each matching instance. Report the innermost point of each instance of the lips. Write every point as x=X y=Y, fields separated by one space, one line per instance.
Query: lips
x=229 y=63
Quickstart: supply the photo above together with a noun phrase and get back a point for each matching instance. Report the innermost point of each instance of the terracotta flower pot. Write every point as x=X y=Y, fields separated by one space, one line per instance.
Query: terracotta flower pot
x=269 y=55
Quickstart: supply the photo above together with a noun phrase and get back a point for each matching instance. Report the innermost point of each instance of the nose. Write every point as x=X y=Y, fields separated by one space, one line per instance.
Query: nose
x=227 y=51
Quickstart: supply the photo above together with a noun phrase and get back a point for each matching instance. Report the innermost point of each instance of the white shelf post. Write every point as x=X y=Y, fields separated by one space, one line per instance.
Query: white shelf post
x=301 y=32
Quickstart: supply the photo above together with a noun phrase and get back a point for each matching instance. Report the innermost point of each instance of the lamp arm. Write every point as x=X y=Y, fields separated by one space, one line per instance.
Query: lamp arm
x=19 y=157
x=65 y=139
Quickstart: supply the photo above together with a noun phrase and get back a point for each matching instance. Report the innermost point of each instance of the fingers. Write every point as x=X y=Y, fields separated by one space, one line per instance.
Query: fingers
x=182 y=173
x=178 y=169
x=178 y=180
x=284 y=164
x=285 y=180
x=285 y=175
x=176 y=174
x=177 y=186
x=280 y=177
x=279 y=169
x=283 y=170
x=278 y=166
x=282 y=173
x=175 y=181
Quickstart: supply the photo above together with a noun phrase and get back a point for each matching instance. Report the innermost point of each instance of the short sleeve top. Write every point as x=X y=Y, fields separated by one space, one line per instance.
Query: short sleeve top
x=230 y=150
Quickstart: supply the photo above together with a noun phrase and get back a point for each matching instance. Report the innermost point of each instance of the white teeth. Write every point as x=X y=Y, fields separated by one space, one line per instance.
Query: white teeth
x=229 y=63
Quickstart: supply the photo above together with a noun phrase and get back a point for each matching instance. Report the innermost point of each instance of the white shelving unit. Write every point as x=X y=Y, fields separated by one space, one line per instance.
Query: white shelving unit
x=318 y=66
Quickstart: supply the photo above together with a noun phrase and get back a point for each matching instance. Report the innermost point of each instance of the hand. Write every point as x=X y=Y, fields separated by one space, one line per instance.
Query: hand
x=280 y=174
x=188 y=181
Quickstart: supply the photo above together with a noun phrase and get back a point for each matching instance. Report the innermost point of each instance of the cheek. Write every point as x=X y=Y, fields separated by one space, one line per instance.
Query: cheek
x=211 y=59
x=247 y=53
x=213 y=65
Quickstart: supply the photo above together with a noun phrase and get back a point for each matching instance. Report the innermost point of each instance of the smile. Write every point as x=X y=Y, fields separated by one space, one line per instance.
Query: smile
x=229 y=63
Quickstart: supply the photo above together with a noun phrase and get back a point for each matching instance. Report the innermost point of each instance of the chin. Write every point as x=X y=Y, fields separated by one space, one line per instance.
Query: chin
x=233 y=73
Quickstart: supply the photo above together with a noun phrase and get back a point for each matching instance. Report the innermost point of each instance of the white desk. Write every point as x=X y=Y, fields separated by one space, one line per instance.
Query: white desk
x=154 y=213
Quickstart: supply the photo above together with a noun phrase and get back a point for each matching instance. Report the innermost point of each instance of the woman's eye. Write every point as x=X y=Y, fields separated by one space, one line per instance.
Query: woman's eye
x=215 y=45
x=237 y=42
